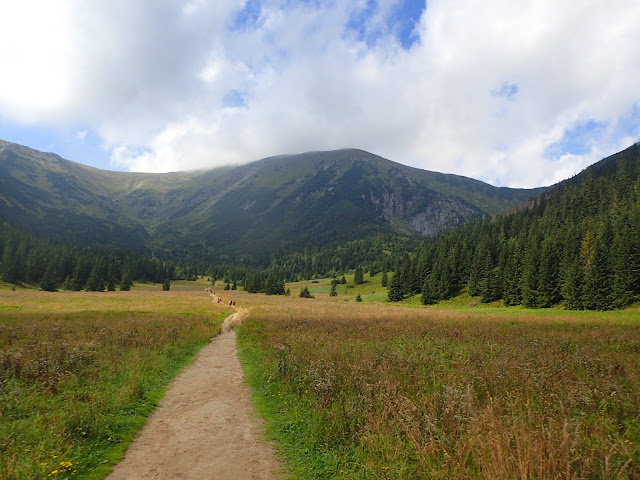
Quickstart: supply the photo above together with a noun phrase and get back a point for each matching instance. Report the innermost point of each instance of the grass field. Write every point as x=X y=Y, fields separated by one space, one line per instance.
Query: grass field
x=384 y=391
x=349 y=390
x=80 y=371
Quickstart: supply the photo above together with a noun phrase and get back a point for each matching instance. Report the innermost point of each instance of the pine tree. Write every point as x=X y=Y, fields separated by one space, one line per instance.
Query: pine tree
x=48 y=281
x=395 y=289
x=475 y=277
x=441 y=279
x=492 y=290
x=274 y=286
x=512 y=294
x=358 y=278
x=126 y=283
x=254 y=282
x=624 y=261
x=334 y=288
x=572 y=285
x=304 y=293
x=10 y=263
x=530 y=267
x=95 y=282
x=166 y=286
x=597 y=285
x=428 y=293
x=548 y=286
x=385 y=278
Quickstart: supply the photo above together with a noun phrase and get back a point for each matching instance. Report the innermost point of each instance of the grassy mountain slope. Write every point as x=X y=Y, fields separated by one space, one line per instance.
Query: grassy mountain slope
x=61 y=199
x=315 y=198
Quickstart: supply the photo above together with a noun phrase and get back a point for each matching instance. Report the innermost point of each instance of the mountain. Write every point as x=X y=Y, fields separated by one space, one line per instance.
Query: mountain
x=315 y=198
x=577 y=245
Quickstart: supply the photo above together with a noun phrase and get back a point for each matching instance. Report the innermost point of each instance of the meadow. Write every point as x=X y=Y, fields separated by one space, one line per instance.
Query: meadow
x=375 y=390
x=80 y=371
x=348 y=390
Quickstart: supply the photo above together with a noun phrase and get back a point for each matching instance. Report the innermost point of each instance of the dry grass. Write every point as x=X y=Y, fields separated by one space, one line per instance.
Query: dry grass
x=80 y=371
x=391 y=392
x=354 y=390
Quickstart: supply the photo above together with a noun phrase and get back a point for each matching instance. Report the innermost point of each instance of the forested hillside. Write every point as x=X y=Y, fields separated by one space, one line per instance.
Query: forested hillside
x=578 y=246
x=36 y=261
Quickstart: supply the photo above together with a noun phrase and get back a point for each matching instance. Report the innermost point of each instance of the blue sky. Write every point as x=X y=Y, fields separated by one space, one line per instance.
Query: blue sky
x=513 y=92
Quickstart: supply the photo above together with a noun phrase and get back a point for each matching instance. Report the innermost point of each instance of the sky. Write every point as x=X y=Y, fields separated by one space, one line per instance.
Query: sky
x=518 y=93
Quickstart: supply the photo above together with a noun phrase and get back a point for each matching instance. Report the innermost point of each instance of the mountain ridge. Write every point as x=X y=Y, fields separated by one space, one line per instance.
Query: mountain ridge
x=276 y=202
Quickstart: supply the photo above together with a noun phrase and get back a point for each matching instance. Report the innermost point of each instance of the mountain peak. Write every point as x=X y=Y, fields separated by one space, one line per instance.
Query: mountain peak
x=312 y=198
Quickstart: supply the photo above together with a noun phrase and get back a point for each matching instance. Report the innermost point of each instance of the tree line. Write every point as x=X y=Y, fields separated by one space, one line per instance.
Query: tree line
x=27 y=259
x=375 y=254
x=577 y=246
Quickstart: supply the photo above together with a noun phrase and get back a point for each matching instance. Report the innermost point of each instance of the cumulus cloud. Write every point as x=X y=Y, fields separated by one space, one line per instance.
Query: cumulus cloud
x=497 y=90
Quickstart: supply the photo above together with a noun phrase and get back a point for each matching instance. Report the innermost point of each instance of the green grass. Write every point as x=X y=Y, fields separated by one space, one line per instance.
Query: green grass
x=370 y=291
x=81 y=371
x=390 y=392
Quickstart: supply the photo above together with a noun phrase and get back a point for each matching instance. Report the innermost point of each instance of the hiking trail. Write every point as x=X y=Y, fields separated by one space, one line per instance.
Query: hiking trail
x=204 y=427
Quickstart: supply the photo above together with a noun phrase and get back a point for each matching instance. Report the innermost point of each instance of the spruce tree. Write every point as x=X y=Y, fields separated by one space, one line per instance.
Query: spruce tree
x=125 y=283
x=304 y=293
x=512 y=294
x=166 y=286
x=358 y=278
x=10 y=264
x=492 y=286
x=385 y=279
x=67 y=284
x=624 y=261
x=428 y=293
x=597 y=287
x=475 y=277
x=334 y=288
x=572 y=285
x=48 y=281
x=394 y=293
x=530 y=267
x=548 y=287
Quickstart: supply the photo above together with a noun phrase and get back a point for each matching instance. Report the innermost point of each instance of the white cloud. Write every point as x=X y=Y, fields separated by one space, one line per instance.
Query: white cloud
x=151 y=78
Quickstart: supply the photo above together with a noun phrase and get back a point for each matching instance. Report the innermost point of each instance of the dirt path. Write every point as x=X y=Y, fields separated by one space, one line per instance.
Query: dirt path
x=204 y=427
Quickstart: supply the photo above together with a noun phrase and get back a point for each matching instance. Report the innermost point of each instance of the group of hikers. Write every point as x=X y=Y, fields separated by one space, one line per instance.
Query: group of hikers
x=232 y=303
